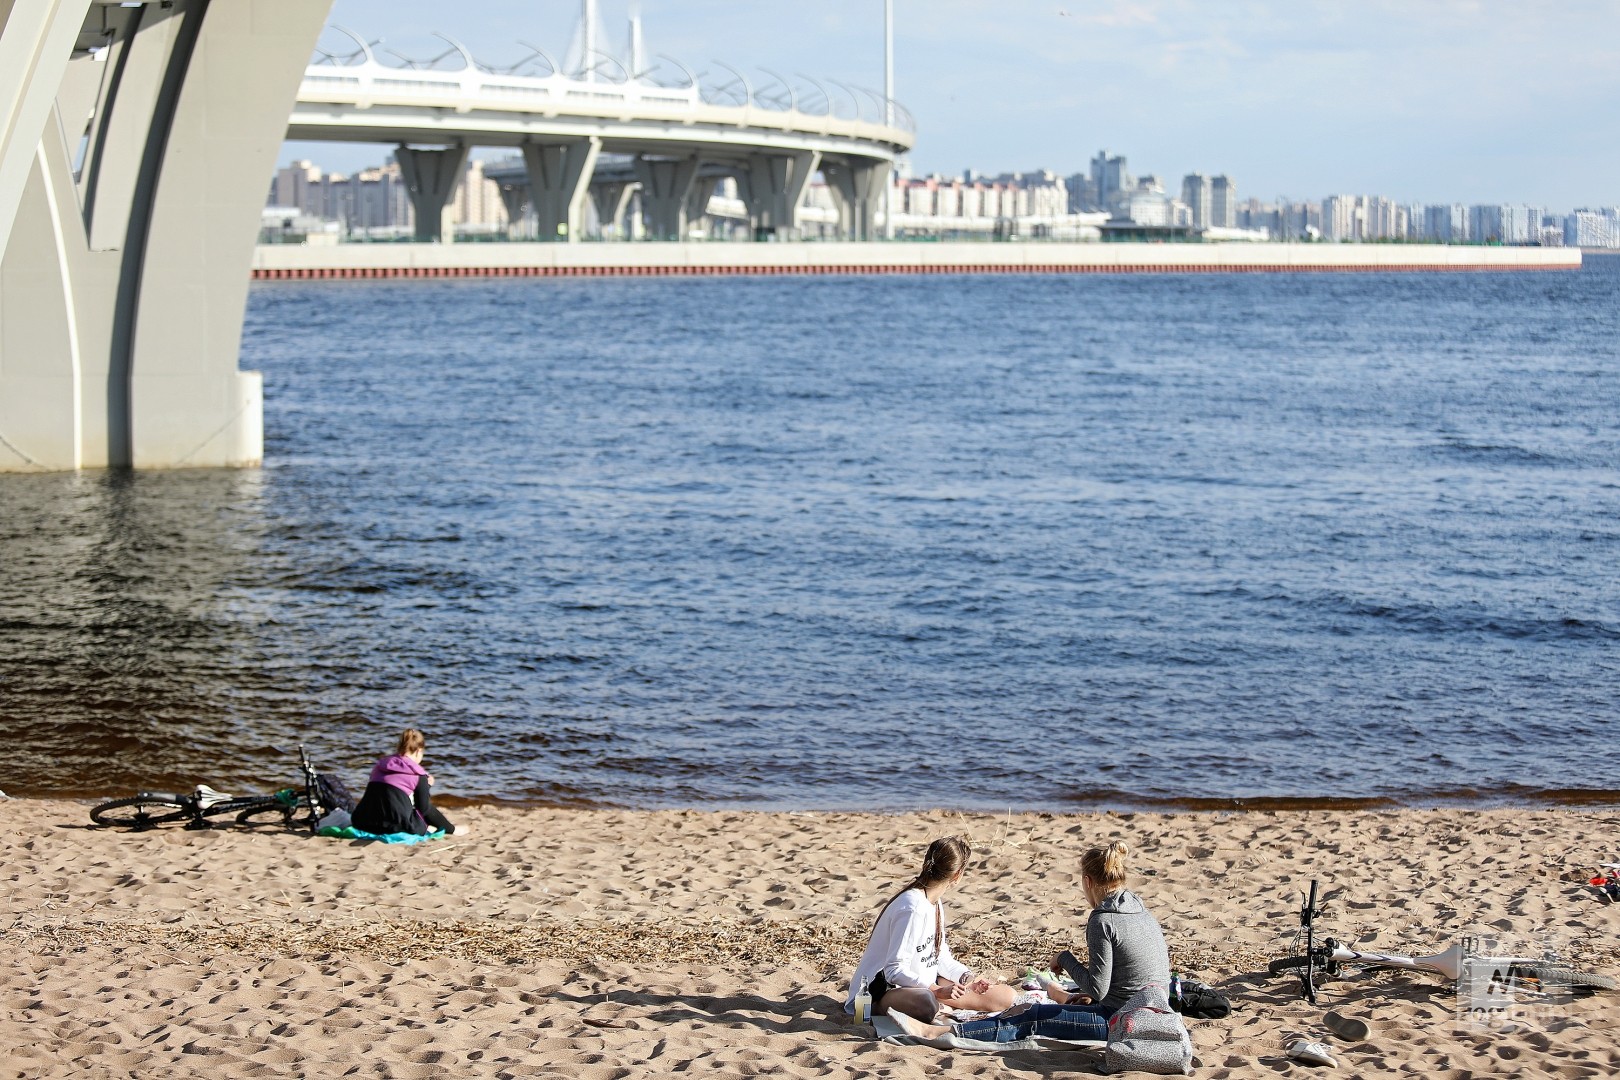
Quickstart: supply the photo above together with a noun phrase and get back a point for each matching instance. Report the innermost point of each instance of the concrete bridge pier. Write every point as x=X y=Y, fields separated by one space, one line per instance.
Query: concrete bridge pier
x=857 y=190
x=610 y=200
x=515 y=197
x=122 y=282
x=36 y=41
x=772 y=186
x=697 y=200
x=559 y=175
x=666 y=185
x=431 y=178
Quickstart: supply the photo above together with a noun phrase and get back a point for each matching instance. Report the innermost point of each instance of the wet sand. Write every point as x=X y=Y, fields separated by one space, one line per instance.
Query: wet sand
x=598 y=944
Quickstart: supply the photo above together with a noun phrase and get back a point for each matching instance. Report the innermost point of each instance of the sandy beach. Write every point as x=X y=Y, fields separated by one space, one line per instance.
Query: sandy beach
x=610 y=944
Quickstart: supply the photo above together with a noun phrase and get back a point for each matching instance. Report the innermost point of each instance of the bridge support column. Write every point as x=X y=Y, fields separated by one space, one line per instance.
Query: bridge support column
x=772 y=186
x=665 y=187
x=857 y=187
x=610 y=199
x=515 y=197
x=558 y=177
x=122 y=287
x=36 y=41
x=431 y=178
x=697 y=200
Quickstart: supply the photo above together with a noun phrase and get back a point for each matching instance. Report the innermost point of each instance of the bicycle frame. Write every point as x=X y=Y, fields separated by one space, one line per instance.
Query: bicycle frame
x=1331 y=954
x=1448 y=963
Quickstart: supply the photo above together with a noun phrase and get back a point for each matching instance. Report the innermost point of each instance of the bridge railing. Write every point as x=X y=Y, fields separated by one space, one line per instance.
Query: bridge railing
x=457 y=80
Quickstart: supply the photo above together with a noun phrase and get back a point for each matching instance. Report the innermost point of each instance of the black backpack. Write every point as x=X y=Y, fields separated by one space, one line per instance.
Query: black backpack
x=1200 y=1002
x=332 y=793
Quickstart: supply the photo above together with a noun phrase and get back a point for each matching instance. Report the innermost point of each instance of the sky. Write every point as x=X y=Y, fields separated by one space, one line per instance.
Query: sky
x=1419 y=100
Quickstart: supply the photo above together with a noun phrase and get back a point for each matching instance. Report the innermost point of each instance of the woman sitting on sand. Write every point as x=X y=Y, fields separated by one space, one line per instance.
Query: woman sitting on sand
x=396 y=798
x=1127 y=953
x=907 y=966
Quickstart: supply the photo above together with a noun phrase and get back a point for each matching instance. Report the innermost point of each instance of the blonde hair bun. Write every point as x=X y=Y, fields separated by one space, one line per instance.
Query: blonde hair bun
x=1106 y=866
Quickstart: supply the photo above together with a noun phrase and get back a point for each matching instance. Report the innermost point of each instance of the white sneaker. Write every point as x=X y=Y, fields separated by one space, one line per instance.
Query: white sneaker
x=1311 y=1053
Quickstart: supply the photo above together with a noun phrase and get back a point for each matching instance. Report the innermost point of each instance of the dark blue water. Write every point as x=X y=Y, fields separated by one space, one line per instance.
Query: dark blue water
x=863 y=542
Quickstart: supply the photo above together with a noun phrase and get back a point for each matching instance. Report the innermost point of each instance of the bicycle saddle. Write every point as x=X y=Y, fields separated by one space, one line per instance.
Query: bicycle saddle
x=207 y=796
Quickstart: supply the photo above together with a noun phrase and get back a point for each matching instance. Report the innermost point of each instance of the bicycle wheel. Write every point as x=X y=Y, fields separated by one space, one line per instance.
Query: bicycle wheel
x=272 y=812
x=138 y=813
x=1289 y=963
x=1558 y=976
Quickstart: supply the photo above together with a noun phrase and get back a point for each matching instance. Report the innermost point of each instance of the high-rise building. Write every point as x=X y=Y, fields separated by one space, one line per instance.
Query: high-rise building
x=1445 y=224
x=1254 y=214
x=1110 y=179
x=1503 y=224
x=1342 y=218
x=1592 y=228
x=1381 y=219
x=297 y=186
x=1485 y=224
x=1362 y=217
x=1196 y=193
x=378 y=199
x=477 y=200
x=1414 y=221
x=1223 y=202
x=1082 y=193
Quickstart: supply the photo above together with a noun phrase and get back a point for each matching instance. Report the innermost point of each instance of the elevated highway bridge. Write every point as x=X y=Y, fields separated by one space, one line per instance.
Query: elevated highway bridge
x=772 y=137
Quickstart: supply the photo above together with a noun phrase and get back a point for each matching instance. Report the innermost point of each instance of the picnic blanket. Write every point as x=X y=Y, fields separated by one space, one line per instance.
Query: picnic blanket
x=349 y=832
x=890 y=1032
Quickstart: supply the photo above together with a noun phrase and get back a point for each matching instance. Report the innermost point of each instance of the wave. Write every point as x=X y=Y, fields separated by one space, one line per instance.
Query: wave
x=1493 y=453
x=1426 y=618
x=1499 y=796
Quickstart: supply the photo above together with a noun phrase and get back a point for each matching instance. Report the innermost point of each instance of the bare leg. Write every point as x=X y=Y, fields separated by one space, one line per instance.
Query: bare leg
x=1053 y=991
x=916 y=1028
x=913 y=1001
x=998 y=997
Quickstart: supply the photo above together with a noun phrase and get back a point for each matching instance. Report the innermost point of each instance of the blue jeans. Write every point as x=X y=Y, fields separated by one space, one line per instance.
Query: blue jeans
x=1073 y=1022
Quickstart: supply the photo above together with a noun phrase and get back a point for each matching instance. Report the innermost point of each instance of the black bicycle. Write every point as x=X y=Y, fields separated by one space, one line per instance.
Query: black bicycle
x=290 y=807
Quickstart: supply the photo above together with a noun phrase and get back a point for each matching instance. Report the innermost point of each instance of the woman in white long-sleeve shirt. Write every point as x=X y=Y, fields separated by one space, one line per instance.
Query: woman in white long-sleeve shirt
x=908 y=964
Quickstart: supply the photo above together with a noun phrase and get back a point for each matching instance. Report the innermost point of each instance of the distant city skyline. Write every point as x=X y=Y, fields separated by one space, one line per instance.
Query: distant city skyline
x=1468 y=101
x=493 y=201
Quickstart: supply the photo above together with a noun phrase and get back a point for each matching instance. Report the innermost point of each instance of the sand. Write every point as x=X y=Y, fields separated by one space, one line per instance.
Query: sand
x=639 y=944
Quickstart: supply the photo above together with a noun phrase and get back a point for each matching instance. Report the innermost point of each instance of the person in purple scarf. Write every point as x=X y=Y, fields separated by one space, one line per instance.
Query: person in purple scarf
x=396 y=798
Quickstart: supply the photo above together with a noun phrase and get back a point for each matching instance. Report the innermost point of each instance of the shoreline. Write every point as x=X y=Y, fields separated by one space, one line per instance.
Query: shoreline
x=281 y=262
x=1462 y=799
x=613 y=943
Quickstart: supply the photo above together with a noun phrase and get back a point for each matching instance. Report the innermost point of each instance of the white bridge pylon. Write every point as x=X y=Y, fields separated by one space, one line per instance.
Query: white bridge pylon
x=136 y=137
x=773 y=137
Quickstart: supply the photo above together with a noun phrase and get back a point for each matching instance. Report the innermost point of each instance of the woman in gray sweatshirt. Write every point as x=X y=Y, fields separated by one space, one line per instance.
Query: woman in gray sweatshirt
x=1126 y=952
